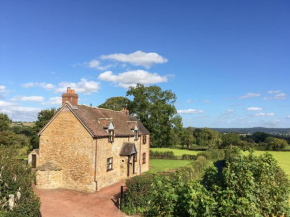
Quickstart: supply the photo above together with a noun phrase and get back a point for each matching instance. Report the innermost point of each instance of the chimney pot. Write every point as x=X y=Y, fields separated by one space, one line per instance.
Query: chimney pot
x=70 y=96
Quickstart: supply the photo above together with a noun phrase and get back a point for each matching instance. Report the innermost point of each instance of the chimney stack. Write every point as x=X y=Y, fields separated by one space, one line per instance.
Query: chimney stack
x=126 y=111
x=70 y=96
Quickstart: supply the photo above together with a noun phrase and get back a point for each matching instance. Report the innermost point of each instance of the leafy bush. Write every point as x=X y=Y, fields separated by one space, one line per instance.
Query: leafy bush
x=16 y=182
x=188 y=157
x=139 y=188
x=247 y=186
x=162 y=155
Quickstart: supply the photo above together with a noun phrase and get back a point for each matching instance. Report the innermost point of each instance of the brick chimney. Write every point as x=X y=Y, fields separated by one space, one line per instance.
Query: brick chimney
x=70 y=96
x=126 y=111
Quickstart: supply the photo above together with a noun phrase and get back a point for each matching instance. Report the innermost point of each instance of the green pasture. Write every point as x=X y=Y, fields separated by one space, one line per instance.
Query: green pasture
x=177 y=152
x=157 y=165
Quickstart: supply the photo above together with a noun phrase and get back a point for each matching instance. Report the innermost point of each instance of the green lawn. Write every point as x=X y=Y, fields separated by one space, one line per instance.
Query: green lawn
x=157 y=165
x=177 y=152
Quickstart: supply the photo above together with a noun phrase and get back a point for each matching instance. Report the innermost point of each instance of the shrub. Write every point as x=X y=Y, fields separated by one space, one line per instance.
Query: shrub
x=188 y=157
x=16 y=179
x=162 y=155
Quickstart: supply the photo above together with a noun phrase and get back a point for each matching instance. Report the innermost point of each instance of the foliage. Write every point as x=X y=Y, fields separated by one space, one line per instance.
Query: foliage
x=259 y=137
x=188 y=138
x=8 y=138
x=250 y=186
x=230 y=139
x=176 y=151
x=275 y=144
x=247 y=186
x=176 y=132
x=42 y=119
x=162 y=155
x=207 y=138
x=142 y=189
x=25 y=130
x=155 y=109
x=16 y=179
x=116 y=103
x=4 y=122
x=188 y=157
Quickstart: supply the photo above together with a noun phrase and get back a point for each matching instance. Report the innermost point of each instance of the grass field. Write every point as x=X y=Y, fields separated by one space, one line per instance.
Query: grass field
x=177 y=152
x=157 y=165
x=283 y=159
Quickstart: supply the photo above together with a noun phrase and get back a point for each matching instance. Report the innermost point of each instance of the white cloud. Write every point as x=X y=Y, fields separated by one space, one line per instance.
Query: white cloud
x=5 y=104
x=263 y=114
x=28 y=98
x=229 y=111
x=137 y=58
x=274 y=91
x=83 y=86
x=18 y=113
x=54 y=101
x=206 y=101
x=3 y=89
x=131 y=78
x=189 y=101
x=43 y=85
x=280 y=96
x=96 y=64
x=249 y=95
x=276 y=96
x=189 y=111
x=254 y=109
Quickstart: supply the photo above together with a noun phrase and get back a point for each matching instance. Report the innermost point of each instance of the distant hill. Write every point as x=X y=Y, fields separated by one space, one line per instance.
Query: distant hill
x=273 y=131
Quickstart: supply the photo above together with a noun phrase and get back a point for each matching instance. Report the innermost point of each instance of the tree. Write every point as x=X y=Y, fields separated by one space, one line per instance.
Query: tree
x=188 y=138
x=43 y=118
x=207 y=138
x=230 y=139
x=275 y=144
x=259 y=137
x=4 y=122
x=116 y=103
x=15 y=185
x=155 y=109
x=177 y=132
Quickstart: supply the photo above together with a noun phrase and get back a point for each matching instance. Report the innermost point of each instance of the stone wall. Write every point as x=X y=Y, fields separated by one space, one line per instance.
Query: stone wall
x=66 y=142
x=106 y=150
x=49 y=179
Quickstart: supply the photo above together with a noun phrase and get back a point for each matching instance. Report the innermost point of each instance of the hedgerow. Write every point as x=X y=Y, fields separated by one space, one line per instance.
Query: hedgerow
x=246 y=186
x=16 y=194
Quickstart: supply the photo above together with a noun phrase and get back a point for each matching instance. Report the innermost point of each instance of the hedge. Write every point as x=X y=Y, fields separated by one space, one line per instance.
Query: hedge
x=162 y=155
x=138 y=191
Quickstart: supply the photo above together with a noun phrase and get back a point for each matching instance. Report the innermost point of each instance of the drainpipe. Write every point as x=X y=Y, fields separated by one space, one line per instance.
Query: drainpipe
x=96 y=154
x=140 y=165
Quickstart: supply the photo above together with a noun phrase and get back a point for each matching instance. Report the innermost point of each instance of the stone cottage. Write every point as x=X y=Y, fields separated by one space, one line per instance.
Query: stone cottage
x=86 y=148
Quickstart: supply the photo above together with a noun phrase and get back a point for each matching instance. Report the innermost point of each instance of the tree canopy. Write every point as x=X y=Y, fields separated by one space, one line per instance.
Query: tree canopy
x=4 y=122
x=42 y=119
x=155 y=109
x=116 y=103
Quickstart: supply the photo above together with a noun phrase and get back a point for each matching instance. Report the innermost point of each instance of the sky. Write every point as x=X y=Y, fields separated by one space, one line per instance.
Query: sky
x=228 y=62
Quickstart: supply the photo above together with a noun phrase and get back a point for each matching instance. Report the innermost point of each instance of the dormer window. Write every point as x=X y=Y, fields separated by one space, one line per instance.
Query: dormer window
x=136 y=133
x=111 y=131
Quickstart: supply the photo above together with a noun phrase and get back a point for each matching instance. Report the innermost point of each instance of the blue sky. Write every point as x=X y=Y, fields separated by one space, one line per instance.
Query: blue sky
x=228 y=62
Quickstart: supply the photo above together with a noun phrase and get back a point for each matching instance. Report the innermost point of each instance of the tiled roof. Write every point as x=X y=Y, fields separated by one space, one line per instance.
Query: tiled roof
x=98 y=119
x=128 y=149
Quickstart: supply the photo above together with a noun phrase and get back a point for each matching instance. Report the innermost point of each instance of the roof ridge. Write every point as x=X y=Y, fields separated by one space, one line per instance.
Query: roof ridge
x=101 y=108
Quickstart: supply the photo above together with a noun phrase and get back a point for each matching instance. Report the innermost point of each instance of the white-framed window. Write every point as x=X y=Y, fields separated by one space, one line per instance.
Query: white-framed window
x=109 y=163
x=111 y=135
